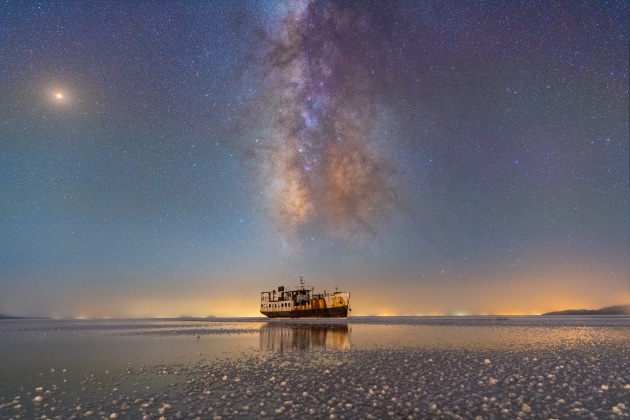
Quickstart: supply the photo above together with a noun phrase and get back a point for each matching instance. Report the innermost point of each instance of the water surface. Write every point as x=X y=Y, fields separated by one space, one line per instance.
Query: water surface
x=354 y=368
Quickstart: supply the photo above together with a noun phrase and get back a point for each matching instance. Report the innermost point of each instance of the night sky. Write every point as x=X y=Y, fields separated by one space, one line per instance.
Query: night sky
x=434 y=158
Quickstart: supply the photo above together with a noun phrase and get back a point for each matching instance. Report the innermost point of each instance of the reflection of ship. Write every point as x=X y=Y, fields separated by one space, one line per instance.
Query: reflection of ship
x=292 y=337
x=302 y=302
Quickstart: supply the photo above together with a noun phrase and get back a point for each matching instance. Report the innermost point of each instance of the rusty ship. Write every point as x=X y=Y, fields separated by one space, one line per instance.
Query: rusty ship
x=302 y=302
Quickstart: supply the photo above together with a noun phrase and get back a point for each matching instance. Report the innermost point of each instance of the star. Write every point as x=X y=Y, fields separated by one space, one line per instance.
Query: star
x=359 y=140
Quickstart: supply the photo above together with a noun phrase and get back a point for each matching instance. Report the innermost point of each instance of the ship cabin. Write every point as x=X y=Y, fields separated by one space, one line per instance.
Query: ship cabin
x=285 y=300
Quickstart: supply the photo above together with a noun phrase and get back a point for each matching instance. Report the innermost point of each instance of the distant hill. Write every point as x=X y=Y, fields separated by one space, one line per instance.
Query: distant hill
x=11 y=317
x=611 y=310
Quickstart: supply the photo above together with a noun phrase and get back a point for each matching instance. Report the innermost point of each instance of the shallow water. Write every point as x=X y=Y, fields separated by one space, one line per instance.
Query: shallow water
x=357 y=368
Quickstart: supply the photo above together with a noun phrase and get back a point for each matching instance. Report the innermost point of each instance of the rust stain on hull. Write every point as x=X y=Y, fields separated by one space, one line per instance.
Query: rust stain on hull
x=339 y=312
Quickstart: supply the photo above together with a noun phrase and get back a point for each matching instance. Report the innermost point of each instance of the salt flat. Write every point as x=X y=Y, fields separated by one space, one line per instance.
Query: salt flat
x=407 y=367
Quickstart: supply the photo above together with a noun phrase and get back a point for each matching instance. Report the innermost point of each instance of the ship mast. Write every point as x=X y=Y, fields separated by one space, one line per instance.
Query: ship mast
x=301 y=282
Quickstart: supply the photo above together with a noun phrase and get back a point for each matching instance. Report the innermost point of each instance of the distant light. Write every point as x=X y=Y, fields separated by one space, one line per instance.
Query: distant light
x=59 y=95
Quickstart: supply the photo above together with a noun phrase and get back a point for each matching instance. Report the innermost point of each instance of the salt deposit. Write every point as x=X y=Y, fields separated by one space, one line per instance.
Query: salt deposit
x=545 y=378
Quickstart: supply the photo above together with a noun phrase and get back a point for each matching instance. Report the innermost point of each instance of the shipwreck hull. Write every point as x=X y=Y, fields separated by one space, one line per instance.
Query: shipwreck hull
x=303 y=303
x=338 y=312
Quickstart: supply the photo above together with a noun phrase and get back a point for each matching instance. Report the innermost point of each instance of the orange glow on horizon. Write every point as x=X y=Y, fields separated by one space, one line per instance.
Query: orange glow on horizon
x=157 y=307
x=521 y=296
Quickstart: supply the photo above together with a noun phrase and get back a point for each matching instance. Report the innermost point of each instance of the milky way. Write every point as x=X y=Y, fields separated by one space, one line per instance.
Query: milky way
x=432 y=157
x=321 y=162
